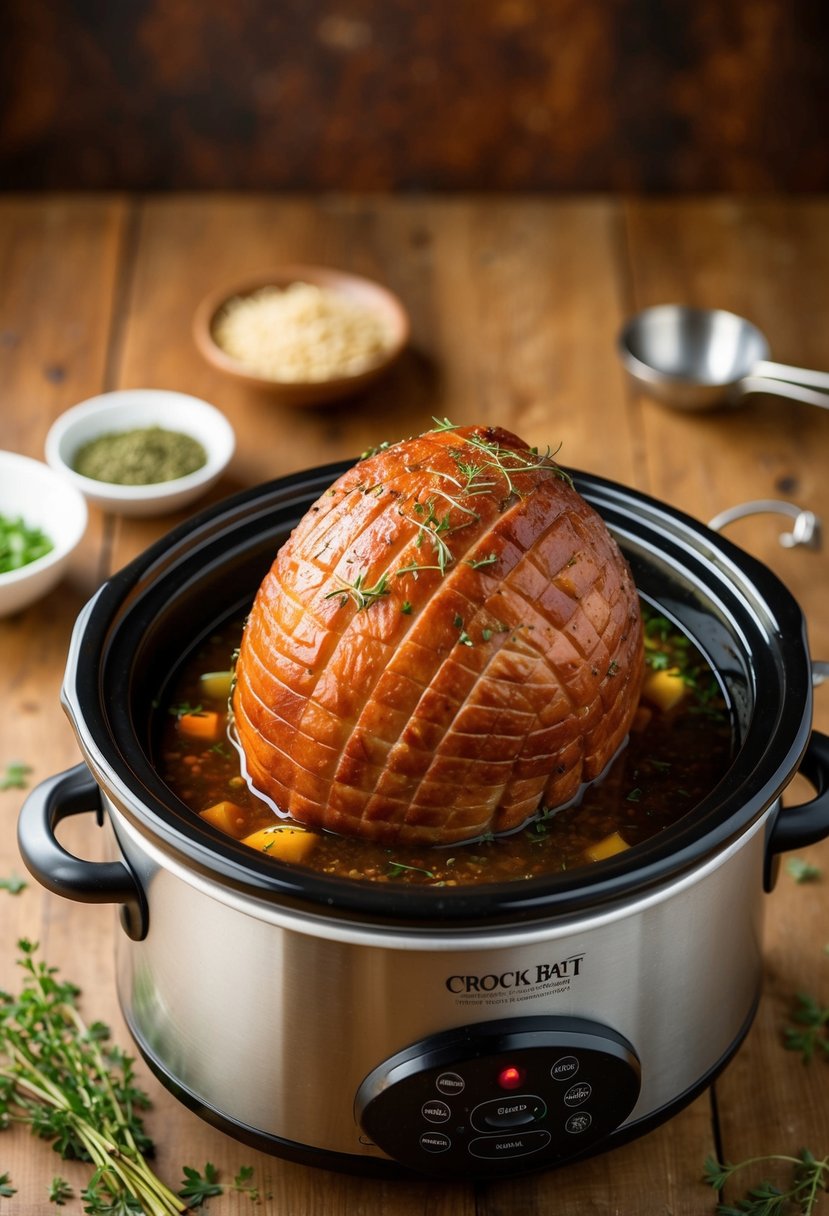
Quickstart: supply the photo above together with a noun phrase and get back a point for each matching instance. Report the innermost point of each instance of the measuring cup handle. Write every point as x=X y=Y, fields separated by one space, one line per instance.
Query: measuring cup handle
x=796 y=383
x=804 y=376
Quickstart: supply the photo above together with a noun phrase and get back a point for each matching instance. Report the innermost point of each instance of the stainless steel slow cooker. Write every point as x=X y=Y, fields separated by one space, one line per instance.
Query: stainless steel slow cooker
x=455 y=1032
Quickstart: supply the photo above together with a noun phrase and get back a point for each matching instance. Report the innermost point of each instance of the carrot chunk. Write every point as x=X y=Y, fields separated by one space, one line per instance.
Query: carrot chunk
x=206 y=726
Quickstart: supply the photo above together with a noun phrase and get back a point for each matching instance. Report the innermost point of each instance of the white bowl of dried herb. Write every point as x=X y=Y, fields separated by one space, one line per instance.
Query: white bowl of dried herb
x=141 y=451
x=42 y=520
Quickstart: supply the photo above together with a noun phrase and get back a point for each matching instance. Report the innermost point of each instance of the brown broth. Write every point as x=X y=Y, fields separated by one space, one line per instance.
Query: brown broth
x=673 y=759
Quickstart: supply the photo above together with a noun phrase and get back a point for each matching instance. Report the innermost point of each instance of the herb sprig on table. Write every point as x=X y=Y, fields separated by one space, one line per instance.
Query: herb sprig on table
x=811 y=1035
x=13 y=884
x=14 y=776
x=809 y=1177
x=803 y=871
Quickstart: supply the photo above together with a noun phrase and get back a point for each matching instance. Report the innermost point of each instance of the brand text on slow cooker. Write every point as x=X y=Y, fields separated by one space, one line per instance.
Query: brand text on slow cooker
x=542 y=973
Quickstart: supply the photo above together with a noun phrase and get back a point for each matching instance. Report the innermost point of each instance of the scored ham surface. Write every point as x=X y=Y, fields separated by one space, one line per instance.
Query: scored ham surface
x=449 y=640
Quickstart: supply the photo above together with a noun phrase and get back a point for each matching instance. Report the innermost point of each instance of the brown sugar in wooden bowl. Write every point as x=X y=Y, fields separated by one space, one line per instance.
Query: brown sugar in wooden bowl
x=305 y=334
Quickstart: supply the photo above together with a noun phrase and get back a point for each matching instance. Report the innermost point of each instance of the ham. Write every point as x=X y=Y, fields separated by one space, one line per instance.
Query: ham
x=449 y=641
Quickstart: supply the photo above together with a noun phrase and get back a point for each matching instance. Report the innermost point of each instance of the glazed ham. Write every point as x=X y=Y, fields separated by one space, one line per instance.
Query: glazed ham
x=449 y=641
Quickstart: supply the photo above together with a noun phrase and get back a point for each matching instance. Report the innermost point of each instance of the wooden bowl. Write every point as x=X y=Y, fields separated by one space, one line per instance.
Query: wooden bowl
x=305 y=392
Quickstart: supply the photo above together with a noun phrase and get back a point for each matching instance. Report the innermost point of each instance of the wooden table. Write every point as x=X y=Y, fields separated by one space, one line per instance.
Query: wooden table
x=515 y=304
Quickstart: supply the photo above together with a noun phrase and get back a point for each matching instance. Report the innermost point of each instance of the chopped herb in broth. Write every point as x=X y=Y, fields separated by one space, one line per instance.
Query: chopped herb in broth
x=680 y=746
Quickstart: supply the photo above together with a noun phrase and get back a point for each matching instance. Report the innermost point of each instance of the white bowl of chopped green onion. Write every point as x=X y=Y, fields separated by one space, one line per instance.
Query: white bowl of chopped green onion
x=42 y=520
x=141 y=451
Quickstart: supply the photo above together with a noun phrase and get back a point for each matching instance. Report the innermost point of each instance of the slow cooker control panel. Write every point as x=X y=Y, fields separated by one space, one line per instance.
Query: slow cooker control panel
x=499 y=1098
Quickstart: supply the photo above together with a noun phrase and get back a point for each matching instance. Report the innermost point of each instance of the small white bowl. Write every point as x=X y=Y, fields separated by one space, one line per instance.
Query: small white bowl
x=31 y=491
x=127 y=410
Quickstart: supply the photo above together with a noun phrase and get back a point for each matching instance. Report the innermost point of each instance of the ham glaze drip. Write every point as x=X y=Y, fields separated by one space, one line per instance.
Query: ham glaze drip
x=449 y=641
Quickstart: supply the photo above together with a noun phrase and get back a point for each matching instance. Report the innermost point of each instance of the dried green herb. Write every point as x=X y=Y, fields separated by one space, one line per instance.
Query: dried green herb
x=139 y=457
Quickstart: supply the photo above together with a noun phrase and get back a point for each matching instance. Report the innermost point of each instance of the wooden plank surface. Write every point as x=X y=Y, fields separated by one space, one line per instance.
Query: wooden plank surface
x=515 y=305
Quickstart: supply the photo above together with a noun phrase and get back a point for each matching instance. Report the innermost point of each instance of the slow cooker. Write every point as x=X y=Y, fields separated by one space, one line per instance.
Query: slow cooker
x=479 y=1031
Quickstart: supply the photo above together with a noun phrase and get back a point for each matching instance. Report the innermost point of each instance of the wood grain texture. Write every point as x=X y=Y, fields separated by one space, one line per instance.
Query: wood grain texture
x=515 y=305
x=477 y=94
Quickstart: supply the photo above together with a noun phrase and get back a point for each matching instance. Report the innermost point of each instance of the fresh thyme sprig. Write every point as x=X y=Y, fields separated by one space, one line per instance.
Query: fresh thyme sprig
x=14 y=885
x=60 y=1191
x=357 y=590
x=14 y=778
x=196 y=1187
x=803 y=871
x=477 y=562
x=396 y=868
x=814 y=1037
x=809 y=1176
x=59 y=1076
x=434 y=528
x=508 y=461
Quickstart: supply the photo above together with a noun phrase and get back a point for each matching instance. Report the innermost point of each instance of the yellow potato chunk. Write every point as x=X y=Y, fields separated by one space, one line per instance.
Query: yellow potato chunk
x=286 y=843
x=216 y=684
x=665 y=689
x=609 y=846
x=227 y=817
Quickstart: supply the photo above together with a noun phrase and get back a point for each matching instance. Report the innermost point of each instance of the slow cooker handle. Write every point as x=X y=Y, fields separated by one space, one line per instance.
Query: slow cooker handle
x=798 y=826
x=75 y=792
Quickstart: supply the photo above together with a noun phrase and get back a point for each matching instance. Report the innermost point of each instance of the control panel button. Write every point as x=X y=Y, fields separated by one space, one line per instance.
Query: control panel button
x=578 y=1093
x=450 y=1083
x=579 y=1123
x=435 y=1111
x=435 y=1142
x=519 y=1144
x=501 y=1114
x=565 y=1068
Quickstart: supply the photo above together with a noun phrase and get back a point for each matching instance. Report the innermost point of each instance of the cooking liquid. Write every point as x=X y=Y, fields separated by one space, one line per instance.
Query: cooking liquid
x=672 y=760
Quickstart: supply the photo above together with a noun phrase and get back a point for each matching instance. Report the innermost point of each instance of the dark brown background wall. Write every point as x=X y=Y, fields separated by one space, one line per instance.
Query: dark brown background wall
x=407 y=94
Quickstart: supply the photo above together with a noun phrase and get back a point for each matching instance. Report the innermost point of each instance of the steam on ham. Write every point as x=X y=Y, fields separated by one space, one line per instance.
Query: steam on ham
x=449 y=641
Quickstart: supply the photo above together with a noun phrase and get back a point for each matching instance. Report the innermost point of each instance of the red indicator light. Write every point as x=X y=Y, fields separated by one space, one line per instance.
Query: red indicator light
x=511 y=1077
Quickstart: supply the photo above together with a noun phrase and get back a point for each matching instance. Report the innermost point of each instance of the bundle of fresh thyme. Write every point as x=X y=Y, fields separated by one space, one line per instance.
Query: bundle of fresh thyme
x=74 y=1089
